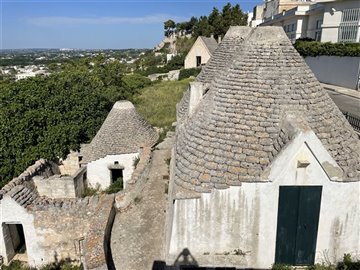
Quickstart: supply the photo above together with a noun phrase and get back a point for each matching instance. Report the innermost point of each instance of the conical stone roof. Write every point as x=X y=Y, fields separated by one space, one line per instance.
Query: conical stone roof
x=220 y=59
x=236 y=130
x=224 y=52
x=123 y=131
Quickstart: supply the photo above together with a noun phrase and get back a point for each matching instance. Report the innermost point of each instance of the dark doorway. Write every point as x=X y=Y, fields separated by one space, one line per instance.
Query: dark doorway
x=198 y=61
x=297 y=224
x=14 y=240
x=116 y=175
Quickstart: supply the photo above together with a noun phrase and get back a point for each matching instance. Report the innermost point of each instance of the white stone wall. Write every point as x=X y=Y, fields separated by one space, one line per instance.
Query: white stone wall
x=198 y=49
x=56 y=186
x=98 y=171
x=11 y=212
x=332 y=19
x=245 y=217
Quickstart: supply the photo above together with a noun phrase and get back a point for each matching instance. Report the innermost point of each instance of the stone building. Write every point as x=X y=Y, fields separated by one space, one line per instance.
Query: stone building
x=44 y=215
x=200 y=52
x=265 y=168
x=42 y=224
x=116 y=146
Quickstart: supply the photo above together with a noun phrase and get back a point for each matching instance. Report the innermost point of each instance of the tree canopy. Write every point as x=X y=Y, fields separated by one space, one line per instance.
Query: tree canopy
x=216 y=23
x=45 y=117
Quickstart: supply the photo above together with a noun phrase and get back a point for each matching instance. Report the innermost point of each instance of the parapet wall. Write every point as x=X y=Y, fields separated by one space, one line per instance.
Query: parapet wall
x=42 y=167
x=55 y=229
x=126 y=197
x=76 y=231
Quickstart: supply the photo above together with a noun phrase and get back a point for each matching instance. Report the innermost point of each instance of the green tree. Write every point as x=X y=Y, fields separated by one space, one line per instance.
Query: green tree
x=169 y=27
x=203 y=28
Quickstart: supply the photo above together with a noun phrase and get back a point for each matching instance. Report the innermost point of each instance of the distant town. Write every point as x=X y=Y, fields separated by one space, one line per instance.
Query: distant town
x=23 y=63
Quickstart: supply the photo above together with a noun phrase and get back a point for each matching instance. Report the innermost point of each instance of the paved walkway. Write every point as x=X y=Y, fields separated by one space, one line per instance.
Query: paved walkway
x=341 y=90
x=138 y=235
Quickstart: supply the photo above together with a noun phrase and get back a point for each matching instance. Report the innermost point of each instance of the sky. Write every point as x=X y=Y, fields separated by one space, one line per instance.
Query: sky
x=80 y=24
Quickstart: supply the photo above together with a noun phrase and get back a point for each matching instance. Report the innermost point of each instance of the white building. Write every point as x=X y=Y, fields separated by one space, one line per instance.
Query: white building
x=265 y=168
x=200 y=52
x=325 y=21
x=113 y=152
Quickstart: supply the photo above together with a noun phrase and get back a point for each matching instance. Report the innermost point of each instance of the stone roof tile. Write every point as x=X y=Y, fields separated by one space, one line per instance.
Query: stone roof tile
x=237 y=130
x=210 y=43
x=123 y=131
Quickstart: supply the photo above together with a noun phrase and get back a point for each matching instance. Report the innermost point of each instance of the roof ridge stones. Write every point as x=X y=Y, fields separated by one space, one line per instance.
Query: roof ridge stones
x=124 y=131
x=224 y=53
x=210 y=43
x=219 y=61
x=236 y=131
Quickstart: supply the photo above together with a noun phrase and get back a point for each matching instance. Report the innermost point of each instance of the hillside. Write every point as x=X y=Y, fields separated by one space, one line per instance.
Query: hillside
x=157 y=103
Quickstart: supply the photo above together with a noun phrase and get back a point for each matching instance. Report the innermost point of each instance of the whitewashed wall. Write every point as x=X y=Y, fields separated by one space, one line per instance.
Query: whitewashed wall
x=11 y=212
x=98 y=171
x=332 y=19
x=198 y=49
x=245 y=217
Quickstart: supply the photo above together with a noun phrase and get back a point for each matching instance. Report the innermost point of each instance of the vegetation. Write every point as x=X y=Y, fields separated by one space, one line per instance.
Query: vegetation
x=308 y=47
x=115 y=187
x=346 y=264
x=157 y=103
x=146 y=68
x=90 y=191
x=186 y=73
x=281 y=267
x=45 y=117
x=217 y=23
x=63 y=265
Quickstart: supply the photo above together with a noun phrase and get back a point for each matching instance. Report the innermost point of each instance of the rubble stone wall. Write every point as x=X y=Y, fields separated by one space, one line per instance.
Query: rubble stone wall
x=74 y=231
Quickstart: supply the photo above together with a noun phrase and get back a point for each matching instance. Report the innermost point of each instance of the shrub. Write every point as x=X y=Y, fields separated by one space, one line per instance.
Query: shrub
x=62 y=265
x=348 y=263
x=316 y=48
x=91 y=191
x=321 y=267
x=281 y=267
x=186 y=73
x=115 y=187
x=15 y=265
x=135 y=82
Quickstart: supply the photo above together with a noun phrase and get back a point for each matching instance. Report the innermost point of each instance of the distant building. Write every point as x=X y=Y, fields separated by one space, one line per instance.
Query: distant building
x=200 y=52
x=258 y=15
x=273 y=7
x=299 y=22
x=325 y=21
x=341 y=21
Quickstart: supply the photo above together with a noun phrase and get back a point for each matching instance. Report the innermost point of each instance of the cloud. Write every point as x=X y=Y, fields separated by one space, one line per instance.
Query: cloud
x=59 y=20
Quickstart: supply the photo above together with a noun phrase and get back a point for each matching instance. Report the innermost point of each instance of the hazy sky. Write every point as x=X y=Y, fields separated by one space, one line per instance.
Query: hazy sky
x=95 y=24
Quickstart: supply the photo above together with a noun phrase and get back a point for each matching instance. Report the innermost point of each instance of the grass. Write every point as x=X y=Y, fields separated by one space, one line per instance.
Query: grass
x=157 y=103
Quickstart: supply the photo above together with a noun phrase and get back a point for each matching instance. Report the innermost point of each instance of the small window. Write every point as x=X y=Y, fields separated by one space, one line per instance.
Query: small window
x=116 y=162
x=293 y=27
